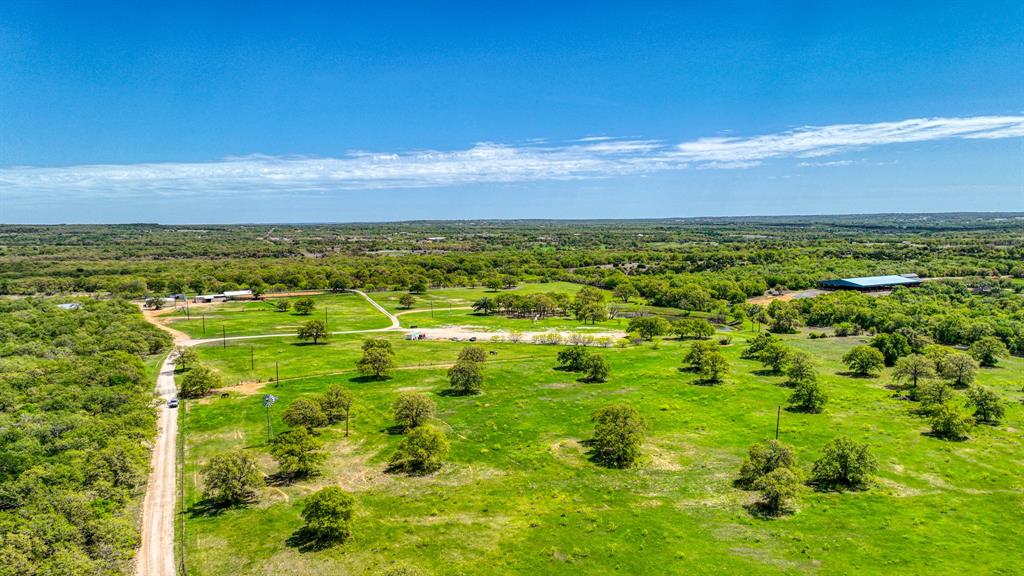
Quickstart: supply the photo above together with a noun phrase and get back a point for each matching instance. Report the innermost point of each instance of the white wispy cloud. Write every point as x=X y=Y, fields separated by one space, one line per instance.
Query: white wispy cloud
x=586 y=158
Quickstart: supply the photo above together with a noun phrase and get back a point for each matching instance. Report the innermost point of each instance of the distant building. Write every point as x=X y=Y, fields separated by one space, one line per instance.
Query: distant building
x=207 y=298
x=868 y=283
x=70 y=306
x=237 y=294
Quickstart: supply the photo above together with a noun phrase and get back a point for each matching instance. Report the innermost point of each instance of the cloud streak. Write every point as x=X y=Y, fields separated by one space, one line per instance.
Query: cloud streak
x=586 y=158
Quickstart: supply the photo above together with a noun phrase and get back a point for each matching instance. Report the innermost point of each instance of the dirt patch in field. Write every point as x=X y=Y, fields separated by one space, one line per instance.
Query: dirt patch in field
x=244 y=388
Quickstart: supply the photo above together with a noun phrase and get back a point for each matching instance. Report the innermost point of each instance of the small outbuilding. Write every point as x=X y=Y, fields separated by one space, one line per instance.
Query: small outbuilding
x=868 y=283
x=237 y=294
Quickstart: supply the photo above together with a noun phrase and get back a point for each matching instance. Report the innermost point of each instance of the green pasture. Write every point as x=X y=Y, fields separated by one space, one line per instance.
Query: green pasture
x=465 y=297
x=519 y=495
x=345 y=311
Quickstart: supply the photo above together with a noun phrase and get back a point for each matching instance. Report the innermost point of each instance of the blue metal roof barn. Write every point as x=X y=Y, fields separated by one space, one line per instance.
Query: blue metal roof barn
x=871 y=282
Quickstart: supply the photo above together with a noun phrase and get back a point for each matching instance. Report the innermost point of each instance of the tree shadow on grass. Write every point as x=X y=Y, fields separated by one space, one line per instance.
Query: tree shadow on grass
x=801 y=410
x=207 y=508
x=394 y=430
x=687 y=369
x=767 y=372
x=304 y=540
x=944 y=437
x=448 y=392
x=366 y=379
x=762 y=511
x=706 y=382
x=320 y=343
x=849 y=374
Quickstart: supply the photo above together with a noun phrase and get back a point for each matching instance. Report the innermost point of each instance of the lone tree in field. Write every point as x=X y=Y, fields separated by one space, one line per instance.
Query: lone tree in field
x=911 y=370
x=186 y=357
x=950 y=423
x=934 y=394
x=231 y=478
x=407 y=301
x=573 y=359
x=959 y=369
x=198 y=382
x=282 y=305
x=844 y=465
x=777 y=488
x=304 y=306
x=304 y=413
x=696 y=352
x=466 y=377
x=774 y=356
x=378 y=359
x=423 y=450
x=988 y=408
x=762 y=458
x=808 y=396
x=336 y=403
x=801 y=369
x=328 y=515
x=297 y=453
x=597 y=368
x=314 y=330
x=619 y=432
x=649 y=326
x=864 y=360
x=713 y=366
x=624 y=291
x=472 y=354
x=413 y=409
x=988 y=350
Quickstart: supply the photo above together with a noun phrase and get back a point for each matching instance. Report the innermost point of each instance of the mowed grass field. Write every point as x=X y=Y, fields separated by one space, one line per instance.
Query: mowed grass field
x=519 y=495
x=465 y=297
x=345 y=311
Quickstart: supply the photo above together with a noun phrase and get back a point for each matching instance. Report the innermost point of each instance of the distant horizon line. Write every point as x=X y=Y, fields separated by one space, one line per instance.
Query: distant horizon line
x=989 y=214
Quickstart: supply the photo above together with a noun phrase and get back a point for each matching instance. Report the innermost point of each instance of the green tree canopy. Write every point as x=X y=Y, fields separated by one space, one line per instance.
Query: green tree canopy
x=231 y=478
x=619 y=432
x=328 y=515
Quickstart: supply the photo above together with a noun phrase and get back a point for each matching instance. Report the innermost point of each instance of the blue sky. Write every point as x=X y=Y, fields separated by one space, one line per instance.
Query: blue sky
x=261 y=112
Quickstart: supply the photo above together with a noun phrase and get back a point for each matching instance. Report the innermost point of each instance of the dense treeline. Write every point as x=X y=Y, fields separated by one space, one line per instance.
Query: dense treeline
x=75 y=423
x=728 y=257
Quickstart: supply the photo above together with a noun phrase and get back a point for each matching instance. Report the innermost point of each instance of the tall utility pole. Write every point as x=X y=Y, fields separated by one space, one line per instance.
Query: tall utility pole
x=187 y=315
x=778 y=417
x=277 y=373
x=252 y=358
x=224 y=335
x=204 y=323
x=326 y=326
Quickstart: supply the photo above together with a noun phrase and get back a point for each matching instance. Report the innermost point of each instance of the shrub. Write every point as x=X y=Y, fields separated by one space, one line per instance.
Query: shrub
x=304 y=306
x=757 y=344
x=950 y=423
x=466 y=377
x=231 y=478
x=844 y=463
x=845 y=329
x=808 y=396
x=573 y=358
x=305 y=413
x=777 y=488
x=422 y=450
x=987 y=405
x=282 y=305
x=619 y=432
x=472 y=354
x=597 y=368
x=696 y=352
x=413 y=409
x=864 y=360
x=407 y=301
x=775 y=356
x=336 y=403
x=713 y=366
x=328 y=515
x=764 y=457
x=801 y=368
x=198 y=382
x=297 y=453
